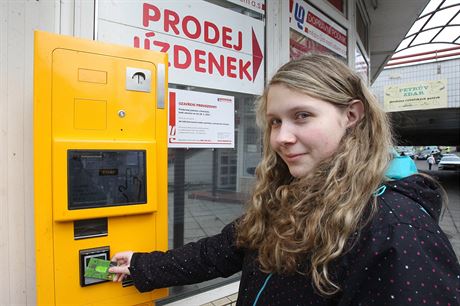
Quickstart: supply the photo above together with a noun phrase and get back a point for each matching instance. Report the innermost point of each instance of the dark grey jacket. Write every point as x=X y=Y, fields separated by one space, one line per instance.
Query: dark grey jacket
x=401 y=257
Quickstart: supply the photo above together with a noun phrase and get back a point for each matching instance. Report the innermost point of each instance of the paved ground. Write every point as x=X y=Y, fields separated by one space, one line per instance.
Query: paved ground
x=450 y=219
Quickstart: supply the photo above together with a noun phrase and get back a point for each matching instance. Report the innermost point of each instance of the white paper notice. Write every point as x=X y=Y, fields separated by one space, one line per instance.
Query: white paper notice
x=200 y=120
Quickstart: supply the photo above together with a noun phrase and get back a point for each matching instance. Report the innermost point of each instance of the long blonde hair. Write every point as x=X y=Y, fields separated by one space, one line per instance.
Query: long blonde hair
x=291 y=221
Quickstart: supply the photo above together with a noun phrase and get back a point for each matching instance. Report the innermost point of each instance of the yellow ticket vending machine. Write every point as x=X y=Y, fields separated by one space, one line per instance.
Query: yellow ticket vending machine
x=100 y=162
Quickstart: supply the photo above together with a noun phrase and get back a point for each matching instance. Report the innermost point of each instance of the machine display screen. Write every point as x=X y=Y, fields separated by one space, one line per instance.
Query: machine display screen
x=106 y=178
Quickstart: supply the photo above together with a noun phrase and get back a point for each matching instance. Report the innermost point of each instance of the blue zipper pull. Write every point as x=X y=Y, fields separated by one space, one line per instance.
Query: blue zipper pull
x=380 y=191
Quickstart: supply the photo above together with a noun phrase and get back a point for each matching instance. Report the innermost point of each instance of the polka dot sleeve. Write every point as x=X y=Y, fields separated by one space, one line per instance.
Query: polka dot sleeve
x=208 y=258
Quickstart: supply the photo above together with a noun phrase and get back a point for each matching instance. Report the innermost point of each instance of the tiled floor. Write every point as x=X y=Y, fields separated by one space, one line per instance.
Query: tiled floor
x=225 y=301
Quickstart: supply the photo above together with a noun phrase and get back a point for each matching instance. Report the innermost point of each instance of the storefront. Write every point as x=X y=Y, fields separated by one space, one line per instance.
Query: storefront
x=221 y=53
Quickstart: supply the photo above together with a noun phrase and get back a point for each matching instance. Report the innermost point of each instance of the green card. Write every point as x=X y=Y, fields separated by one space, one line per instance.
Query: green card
x=98 y=268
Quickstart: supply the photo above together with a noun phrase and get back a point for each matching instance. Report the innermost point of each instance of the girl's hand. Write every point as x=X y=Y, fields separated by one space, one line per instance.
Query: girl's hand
x=123 y=260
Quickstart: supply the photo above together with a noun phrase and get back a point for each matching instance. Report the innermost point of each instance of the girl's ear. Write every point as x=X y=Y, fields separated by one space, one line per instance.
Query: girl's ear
x=355 y=112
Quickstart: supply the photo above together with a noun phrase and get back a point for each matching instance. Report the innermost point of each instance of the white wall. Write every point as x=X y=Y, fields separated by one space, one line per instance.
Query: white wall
x=18 y=20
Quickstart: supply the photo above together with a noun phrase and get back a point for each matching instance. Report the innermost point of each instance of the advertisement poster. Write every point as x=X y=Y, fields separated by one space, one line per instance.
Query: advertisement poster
x=208 y=46
x=416 y=96
x=200 y=120
x=316 y=26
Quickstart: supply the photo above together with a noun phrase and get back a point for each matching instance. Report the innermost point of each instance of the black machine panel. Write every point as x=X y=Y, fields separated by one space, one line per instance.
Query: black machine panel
x=106 y=178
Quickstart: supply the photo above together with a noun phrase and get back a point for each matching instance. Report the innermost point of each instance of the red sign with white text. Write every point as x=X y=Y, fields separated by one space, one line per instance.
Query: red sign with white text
x=311 y=23
x=208 y=46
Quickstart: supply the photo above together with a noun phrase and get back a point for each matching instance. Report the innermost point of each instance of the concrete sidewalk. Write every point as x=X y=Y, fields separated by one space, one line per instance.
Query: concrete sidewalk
x=450 y=217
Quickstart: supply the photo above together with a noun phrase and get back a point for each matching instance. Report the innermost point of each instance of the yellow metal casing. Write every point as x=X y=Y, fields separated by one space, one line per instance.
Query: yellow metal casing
x=82 y=102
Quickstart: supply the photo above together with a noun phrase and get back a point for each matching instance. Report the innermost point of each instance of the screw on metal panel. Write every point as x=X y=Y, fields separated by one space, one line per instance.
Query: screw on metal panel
x=121 y=113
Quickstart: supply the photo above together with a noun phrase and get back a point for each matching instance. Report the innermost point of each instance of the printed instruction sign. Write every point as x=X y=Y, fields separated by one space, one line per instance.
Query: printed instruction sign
x=200 y=120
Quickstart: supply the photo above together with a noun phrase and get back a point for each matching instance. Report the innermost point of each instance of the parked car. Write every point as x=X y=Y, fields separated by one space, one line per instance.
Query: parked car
x=449 y=162
x=438 y=157
x=404 y=150
x=425 y=153
x=409 y=153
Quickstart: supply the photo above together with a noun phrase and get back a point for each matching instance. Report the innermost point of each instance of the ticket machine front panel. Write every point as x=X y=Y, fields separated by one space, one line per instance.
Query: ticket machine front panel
x=100 y=164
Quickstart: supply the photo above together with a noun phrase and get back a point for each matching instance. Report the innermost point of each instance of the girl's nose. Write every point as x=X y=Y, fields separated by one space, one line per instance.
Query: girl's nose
x=286 y=135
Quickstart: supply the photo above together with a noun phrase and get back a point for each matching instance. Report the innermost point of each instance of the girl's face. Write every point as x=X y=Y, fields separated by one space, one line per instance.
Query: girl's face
x=304 y=130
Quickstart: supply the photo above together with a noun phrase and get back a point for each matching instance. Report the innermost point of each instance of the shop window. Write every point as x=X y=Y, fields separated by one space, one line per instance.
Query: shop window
x=361 y=64
x=214 y=183
x=227 y=168
x=207 y=177
x=300 y=45
x=339 y=5
x=362 y=28
x=252 y=146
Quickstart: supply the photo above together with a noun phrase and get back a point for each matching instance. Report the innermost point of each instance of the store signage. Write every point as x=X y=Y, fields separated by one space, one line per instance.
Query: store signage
x=313 y=24
x=200 y=120
x=415 y=96
x=255 y=5
x=207 y=45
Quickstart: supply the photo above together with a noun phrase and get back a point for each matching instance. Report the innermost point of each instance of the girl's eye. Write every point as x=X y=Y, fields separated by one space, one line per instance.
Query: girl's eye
x=302 y=115
x=275 y=122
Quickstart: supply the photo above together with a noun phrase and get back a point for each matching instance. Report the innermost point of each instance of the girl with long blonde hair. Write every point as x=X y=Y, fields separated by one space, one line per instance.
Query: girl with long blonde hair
x=316 y=213
x=326 y=224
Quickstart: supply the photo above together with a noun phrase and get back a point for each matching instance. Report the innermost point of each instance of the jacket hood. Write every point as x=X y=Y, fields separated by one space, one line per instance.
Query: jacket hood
x=426 y=192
